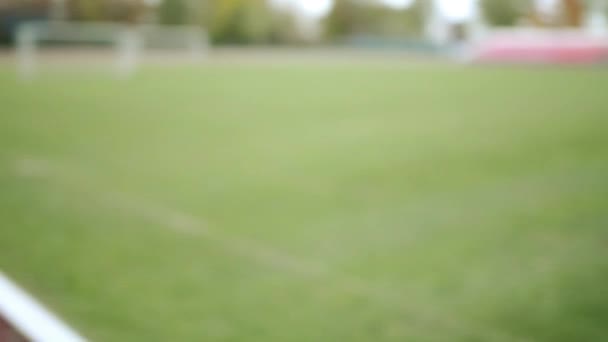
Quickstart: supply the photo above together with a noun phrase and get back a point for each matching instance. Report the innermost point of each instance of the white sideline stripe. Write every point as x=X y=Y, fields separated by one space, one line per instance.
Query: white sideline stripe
x=185 y=223
x=30 y=318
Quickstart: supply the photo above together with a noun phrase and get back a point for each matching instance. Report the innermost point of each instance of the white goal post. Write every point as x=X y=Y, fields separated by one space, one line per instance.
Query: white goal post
x=29 y=319
x=128 y=42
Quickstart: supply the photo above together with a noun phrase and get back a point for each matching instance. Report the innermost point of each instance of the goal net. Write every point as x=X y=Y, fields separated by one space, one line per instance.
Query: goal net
x=122 y=47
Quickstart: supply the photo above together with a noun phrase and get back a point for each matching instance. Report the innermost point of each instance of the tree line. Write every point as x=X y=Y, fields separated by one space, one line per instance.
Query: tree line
x=257 y=22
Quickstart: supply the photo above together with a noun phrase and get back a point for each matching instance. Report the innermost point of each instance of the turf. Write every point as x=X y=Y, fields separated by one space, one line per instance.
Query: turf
x=310 y=202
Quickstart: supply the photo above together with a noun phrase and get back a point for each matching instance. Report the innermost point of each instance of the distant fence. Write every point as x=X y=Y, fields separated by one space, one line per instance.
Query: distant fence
x=419 y=45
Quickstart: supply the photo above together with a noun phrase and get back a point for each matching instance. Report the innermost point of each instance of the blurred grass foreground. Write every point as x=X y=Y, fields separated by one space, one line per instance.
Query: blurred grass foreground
x=311 y=202
x=353 y=184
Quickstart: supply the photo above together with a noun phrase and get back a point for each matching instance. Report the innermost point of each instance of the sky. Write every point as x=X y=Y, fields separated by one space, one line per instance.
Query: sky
x=454 y=10
x=318 y=8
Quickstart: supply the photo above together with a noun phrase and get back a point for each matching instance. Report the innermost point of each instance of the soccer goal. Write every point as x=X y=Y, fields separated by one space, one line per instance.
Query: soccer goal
x=121 y=46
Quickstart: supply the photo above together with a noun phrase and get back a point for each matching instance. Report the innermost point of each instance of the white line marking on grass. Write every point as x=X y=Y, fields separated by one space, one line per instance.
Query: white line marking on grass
x=30 y=318
x=165 y=216
x=184 y=223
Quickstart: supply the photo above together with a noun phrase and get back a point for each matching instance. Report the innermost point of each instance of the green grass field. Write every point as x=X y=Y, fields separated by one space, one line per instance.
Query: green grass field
x=309 y=202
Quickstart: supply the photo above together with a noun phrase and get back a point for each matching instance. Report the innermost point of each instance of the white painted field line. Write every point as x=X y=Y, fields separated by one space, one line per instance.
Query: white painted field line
x=189 y=224
x=30 y=318
x=165 y=216
x=184 y=223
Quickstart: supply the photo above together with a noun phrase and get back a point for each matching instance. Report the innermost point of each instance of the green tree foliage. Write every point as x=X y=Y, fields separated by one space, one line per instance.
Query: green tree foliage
x=173 y=12
x=229 y=21
x=248 y=21
x=504 y=12
x=89 y=10
x=284 y=28
x=367 y=17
